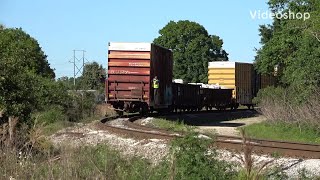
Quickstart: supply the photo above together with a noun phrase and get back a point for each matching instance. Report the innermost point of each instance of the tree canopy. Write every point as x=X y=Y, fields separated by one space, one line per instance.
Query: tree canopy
x=192 y=48
x=93 y=76
x=292 y=45
x=21 y=49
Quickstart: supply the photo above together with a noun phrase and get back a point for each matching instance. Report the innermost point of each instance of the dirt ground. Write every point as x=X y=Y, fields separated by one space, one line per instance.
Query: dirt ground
x=231 y=130
x=223 y=123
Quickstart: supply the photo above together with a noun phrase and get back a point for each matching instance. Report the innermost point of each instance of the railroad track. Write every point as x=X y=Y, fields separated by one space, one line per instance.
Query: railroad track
x=279 y=148
x=259 y=146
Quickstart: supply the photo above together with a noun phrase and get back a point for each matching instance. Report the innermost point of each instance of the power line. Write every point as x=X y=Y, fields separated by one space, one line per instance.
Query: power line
x=78 y=63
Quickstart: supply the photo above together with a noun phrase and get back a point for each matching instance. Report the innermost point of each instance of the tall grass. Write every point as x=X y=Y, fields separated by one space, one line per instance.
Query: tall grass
x=98 y=162
x=290 y=107
x=31 y=156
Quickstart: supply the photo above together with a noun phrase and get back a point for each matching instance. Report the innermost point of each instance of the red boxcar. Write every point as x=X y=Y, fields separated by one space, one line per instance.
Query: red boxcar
x=131 y=68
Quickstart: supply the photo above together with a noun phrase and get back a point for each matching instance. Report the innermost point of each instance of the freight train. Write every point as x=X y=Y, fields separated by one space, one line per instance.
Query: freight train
x=241 y=77
x=131 y=69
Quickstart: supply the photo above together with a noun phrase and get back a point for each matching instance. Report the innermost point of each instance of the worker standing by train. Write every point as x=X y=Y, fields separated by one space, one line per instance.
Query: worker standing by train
x=155 y=84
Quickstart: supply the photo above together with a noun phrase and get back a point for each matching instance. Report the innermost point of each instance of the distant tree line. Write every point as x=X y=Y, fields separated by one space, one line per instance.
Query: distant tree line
x=93 y=78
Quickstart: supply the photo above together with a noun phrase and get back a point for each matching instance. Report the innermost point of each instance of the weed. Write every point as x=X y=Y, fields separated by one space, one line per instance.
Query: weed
x=190 y=159
x=251 y=170
x=172 y=125
x=289 y=106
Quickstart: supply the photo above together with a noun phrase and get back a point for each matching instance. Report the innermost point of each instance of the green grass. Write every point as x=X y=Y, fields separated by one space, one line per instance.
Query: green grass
x=171 y=125
x=284 y=131
x=51 y=128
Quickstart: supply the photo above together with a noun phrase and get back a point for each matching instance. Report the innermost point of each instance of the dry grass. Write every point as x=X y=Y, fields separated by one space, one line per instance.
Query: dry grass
x=104 y=110
x=283 y=108
x=252 y=169
x=31 y=156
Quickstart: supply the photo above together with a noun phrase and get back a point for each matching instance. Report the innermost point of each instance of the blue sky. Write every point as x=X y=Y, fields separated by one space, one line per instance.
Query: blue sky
x=63 y=25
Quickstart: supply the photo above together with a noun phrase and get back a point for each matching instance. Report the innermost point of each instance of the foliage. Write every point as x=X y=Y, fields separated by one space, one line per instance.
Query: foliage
x=192 y=48
x=50 y=92
x=52 y=115
x=16 y=95
x=82 y=105
x=190 y=159
x=20 y=49
x=24 y=74
x=68 y=82
x=292 y=45
x=171 y=125
x=86 y=162
x=27 y=84
x=23 y=93
x=93 y=78
x=290 y=105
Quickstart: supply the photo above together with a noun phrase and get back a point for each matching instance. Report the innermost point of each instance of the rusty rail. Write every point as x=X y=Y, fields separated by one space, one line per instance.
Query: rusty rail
x=260 y=146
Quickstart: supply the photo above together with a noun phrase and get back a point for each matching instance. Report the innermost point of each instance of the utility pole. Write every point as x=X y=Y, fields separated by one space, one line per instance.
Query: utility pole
x=77 y=64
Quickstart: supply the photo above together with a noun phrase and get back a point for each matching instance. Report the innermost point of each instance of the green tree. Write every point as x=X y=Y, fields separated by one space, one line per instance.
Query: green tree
x=293 y=45
x=23 y=71
x=25 y=50
x=192 y=48
x=68 y=82
x=93 y=76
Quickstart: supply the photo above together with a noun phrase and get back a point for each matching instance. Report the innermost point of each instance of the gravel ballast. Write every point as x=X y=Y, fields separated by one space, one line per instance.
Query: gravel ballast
x=156 y=149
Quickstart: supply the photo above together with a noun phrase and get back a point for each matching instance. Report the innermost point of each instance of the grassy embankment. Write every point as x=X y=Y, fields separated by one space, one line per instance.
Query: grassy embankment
x=265 y=130
x=284 y=131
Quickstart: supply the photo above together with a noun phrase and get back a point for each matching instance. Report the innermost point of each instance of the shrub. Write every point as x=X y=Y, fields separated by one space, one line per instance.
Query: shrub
x=51 y=115
x=289 y=106
x=190 y=159
x=82 y=106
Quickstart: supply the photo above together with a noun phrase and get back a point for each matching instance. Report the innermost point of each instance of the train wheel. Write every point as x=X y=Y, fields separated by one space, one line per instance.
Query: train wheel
x=235 y=106
x=120 y=113
x=144 y=109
